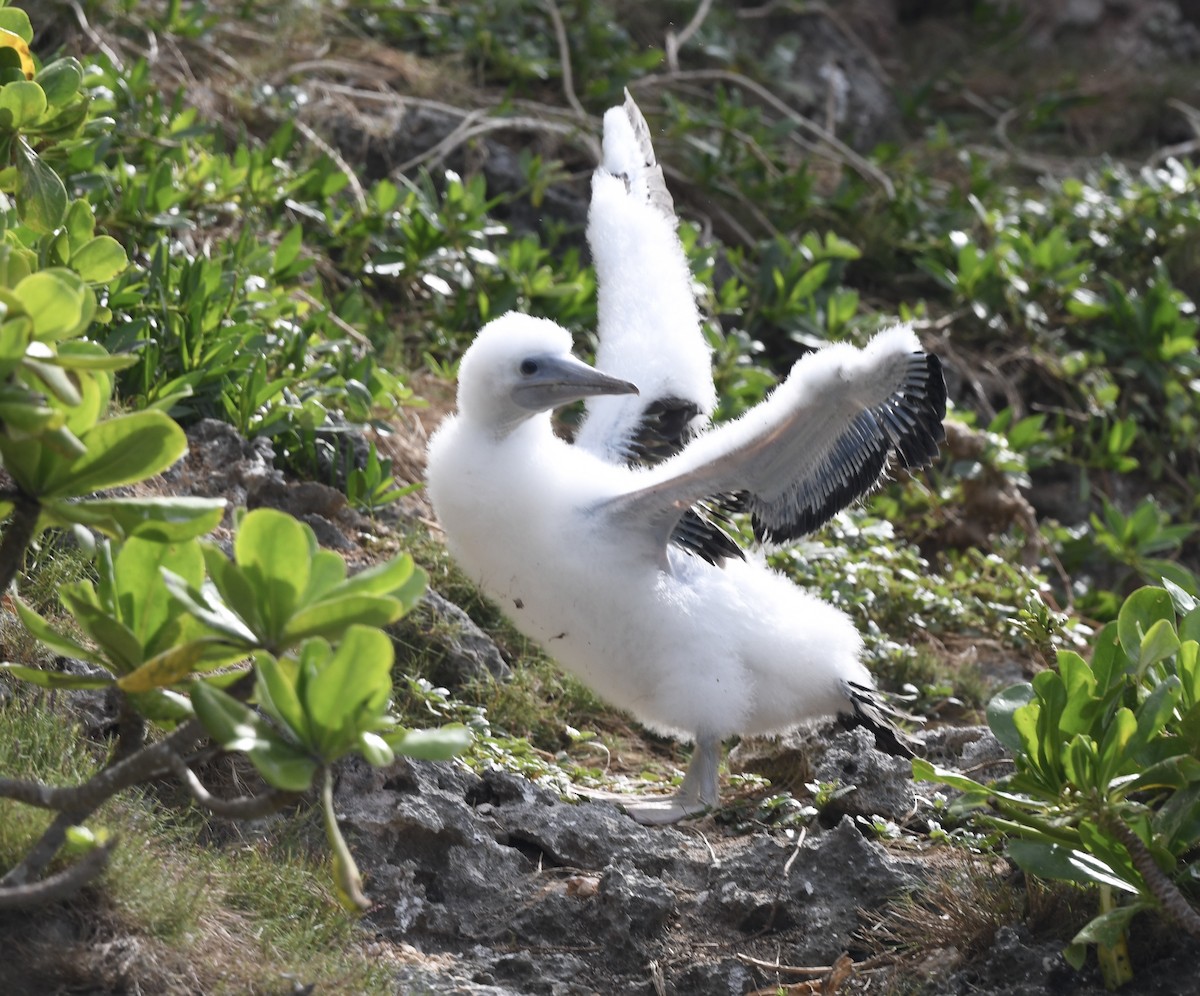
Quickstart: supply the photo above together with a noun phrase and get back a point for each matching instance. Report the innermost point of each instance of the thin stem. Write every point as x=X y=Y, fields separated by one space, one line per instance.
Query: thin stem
x=245 y=807
x=676 y=41
x=345 y=871
x=1115 y=966
x=833 y=144
x=564 y=57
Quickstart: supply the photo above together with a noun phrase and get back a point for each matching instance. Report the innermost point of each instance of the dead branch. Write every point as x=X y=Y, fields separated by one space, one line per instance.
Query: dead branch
x=675 y=41
x=830 y=145
x=61 y=885
x=243 y=807
x=564 y=58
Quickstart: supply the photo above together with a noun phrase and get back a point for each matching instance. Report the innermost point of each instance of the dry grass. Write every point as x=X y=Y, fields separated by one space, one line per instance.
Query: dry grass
x=955 y=916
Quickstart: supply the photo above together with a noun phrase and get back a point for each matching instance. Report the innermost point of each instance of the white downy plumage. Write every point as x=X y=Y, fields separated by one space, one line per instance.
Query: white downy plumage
x=618 y=569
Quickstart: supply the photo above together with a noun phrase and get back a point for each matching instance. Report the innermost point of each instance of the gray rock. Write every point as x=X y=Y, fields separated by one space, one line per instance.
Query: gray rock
x=882 y=784
x=467 y=651
x=503 y=888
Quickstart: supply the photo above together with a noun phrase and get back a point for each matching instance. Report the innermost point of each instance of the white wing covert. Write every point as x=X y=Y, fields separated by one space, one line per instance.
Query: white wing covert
x=823 y=439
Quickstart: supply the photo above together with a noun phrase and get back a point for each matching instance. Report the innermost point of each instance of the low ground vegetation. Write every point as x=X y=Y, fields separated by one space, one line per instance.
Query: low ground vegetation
x=183 y=239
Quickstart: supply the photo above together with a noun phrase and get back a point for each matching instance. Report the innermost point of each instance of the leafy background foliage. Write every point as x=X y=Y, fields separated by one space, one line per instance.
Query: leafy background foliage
x=182 y=243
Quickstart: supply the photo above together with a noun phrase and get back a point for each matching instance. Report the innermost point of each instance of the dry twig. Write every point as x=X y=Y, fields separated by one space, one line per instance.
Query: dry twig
x=564 y=58
x=675 y=41
x=829 y=145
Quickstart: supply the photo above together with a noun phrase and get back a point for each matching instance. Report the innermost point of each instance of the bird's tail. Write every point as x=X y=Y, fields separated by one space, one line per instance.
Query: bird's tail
x=868 y=709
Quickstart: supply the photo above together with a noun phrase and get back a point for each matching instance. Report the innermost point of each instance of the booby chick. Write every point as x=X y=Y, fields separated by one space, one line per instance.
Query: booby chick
x=610 y=552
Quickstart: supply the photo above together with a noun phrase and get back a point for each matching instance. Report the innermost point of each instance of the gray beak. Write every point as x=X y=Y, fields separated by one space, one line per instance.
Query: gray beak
x=550 y=381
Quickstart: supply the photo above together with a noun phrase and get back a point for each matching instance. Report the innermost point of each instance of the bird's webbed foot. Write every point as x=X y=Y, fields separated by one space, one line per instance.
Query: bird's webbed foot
x=664 y=810
x=696 y=796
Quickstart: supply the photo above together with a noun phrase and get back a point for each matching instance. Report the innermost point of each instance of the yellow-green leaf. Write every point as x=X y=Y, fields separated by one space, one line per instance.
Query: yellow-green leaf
x=12 y=40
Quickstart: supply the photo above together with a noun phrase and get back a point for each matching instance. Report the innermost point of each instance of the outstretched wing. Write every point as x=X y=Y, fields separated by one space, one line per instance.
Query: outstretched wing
x=649 y=325
x=823 y=439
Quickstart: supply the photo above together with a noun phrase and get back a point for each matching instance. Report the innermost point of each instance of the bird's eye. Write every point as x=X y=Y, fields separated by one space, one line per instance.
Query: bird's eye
x=529 y=367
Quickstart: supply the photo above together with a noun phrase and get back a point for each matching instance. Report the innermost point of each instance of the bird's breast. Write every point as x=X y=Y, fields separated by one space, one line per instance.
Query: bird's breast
x=518 y=519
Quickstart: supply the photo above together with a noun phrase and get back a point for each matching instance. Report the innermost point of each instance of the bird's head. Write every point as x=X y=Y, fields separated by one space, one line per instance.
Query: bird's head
x=518 y=366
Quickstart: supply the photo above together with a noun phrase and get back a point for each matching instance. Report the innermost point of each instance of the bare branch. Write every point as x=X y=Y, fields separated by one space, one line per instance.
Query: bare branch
x=564 y=58
x=830 y=144
x=94 y=37
x=18 y=534
x=676 y=41
x=360 y=198
x=61 y=885
x=1162 y=888
x=475 y=124
x=245 y=807
x=76 y=803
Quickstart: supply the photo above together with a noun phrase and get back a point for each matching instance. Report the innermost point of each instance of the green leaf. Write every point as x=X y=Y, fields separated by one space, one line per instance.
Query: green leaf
x=923 y=771
x=1065 y=864
x=56 y=679
x=1189 y=627
x=60 y=80
x=1153 y=713
x=1000 y=714
x=120 y=450
x=163 y=520
x=41 y=197
x=284 y=766
x=122 y=650
x=288 y=248
x=327 y=570
x=99 y=260
x=17 y=21
x=54 y=300
x=234 y=590
x=276 y=690
x=273 y=553
x=210 y=610
x=439 y=744
x=1187 y=666
x=236 y=726
x=1114 y=748
x=22 y=102
x=1175 y=773
x=397 y=578
x=1082 y=707
x=1079 y=761
x=331 y=617
x=232 y=724
x=351 y=689
x=1109 y=661
x=1108 y=928
x=162 y=706
x=1159 y=643
x=1139 y=612
x=53 y=639
x=55 y=380
x=167 y=668
x=146 y=604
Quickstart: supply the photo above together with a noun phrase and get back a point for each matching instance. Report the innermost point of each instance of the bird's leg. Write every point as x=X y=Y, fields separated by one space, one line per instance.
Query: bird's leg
x=700 y=781
x=697 y=794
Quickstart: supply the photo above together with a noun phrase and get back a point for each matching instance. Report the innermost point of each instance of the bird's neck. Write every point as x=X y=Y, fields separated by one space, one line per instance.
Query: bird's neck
x=520 y=426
